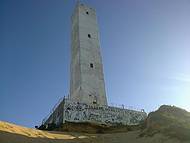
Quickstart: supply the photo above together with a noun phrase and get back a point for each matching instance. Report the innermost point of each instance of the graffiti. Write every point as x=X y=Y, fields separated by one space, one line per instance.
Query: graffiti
x=80 y=112
x=84 y=115
x=94 y=117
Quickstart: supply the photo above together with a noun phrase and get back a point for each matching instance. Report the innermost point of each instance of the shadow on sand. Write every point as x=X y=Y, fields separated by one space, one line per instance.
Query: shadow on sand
x=6 y=137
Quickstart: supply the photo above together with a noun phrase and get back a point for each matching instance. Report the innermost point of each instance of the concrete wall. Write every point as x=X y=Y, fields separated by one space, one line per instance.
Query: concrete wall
x=87 y=79
x=80 y=112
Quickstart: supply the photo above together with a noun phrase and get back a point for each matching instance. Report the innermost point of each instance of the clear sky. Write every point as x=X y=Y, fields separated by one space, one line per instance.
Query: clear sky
x=145 y=47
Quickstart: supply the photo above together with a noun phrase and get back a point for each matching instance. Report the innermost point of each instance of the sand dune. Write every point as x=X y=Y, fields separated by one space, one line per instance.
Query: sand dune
x=11 y=133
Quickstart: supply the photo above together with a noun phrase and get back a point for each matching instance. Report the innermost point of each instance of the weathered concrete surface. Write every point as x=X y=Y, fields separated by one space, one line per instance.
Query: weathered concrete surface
x=87 y=79
x=80 y=112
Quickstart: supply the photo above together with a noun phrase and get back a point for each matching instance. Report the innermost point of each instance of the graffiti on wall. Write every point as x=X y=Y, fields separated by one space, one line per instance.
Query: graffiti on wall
x=79 y=112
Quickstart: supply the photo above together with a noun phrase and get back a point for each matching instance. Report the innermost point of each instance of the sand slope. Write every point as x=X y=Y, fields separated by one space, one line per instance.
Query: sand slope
x=11 y=133
x=170 y=121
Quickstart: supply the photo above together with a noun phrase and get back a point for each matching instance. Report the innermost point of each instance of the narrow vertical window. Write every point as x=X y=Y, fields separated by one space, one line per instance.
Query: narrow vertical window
x=89 y=36
x=91 y=65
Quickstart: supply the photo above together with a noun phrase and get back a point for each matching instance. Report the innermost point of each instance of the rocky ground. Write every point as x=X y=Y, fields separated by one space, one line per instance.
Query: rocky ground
x=166 y=125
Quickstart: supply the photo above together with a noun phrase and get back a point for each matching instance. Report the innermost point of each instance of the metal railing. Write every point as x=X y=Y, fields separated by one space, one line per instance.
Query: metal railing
x=53 y=109
x=123 y=106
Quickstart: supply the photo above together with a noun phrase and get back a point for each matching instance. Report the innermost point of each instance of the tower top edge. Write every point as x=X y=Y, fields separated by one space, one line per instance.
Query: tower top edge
x=81 y=4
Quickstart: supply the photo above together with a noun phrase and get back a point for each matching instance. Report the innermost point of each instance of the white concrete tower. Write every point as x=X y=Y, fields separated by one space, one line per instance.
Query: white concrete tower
x=87 y=78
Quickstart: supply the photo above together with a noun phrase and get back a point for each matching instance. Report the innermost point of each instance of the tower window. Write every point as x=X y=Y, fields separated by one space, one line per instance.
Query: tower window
x=91 y=65
x=87 y=12
x=94 y=102
x=89 y=36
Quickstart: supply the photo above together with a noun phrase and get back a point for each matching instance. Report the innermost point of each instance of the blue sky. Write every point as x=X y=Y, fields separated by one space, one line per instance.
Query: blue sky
x=145 y=48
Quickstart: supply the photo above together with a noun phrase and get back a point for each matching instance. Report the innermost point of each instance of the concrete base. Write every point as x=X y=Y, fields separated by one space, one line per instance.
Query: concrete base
x=71 y=111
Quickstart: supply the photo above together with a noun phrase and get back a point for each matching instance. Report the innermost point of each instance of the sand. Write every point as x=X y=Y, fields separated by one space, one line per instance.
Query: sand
x=11 y=133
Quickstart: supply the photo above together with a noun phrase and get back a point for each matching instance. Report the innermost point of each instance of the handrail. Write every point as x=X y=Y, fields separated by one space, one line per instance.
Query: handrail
x=53 y=109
